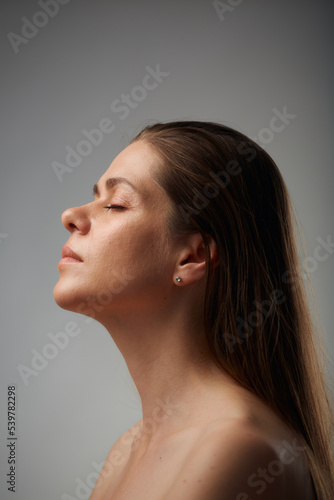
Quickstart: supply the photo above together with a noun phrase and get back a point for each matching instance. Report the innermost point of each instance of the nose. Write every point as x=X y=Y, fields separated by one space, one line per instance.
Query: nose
x=76 y=219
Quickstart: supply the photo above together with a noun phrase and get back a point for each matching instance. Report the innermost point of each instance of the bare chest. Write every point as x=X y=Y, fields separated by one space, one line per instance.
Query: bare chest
x=149 y=477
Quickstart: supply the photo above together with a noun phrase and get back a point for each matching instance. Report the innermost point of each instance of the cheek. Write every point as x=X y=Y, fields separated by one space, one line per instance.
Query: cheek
x=136 y=249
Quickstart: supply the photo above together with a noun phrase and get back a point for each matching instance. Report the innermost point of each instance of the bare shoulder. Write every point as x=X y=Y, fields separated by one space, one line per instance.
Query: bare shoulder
x=233 y=460
x=115 y=461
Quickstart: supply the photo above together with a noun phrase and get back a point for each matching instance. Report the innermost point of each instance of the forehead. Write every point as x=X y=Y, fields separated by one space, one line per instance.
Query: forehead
x=137 y=163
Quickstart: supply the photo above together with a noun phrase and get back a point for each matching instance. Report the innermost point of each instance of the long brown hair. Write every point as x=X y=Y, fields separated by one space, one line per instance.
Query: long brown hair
x=257 y=317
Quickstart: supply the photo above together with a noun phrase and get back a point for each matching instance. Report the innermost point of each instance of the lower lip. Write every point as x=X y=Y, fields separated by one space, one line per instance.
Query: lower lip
x=69 y=260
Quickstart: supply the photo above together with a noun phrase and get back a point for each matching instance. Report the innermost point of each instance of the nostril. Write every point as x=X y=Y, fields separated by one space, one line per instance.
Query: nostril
x=75 y=219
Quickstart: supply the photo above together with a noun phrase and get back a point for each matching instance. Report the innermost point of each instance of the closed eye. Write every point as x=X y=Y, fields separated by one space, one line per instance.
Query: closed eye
x=115 y=207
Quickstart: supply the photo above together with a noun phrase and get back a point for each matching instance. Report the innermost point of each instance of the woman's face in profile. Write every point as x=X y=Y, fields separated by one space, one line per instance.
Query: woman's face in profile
x=121 y=239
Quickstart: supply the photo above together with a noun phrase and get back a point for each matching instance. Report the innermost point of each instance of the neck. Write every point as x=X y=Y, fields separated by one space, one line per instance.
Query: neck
x=169 y=362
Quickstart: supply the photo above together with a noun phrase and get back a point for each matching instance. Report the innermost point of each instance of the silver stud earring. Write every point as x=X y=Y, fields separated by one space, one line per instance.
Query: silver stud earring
x=178 y=279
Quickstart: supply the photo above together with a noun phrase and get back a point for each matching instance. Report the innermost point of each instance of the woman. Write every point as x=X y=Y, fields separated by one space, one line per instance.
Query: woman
x=211 y=317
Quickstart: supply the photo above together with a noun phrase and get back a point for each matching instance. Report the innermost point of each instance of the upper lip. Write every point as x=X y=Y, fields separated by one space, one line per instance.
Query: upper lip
x=68 y=252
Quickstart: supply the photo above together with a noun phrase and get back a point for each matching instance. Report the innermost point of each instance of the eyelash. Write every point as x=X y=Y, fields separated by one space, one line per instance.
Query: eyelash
x=114 y=207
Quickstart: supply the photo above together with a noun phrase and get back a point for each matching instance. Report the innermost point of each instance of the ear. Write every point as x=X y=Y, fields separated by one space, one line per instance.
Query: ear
x=191 y=261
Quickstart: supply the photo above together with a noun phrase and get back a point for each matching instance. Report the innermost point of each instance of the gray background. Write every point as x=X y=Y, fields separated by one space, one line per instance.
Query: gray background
x=262 y=55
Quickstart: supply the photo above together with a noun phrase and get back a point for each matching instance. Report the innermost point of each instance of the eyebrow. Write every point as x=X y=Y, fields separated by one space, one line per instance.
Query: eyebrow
x=113 y=181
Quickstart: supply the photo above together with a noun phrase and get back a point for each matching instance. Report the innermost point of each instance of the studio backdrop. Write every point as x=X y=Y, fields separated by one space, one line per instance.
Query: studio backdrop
x=79 y=79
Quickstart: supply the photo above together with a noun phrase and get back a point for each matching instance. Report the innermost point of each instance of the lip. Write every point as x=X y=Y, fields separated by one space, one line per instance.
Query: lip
x=69 y=256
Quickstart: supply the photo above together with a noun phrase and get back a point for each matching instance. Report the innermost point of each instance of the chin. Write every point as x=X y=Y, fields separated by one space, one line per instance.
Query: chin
x=65 y=297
